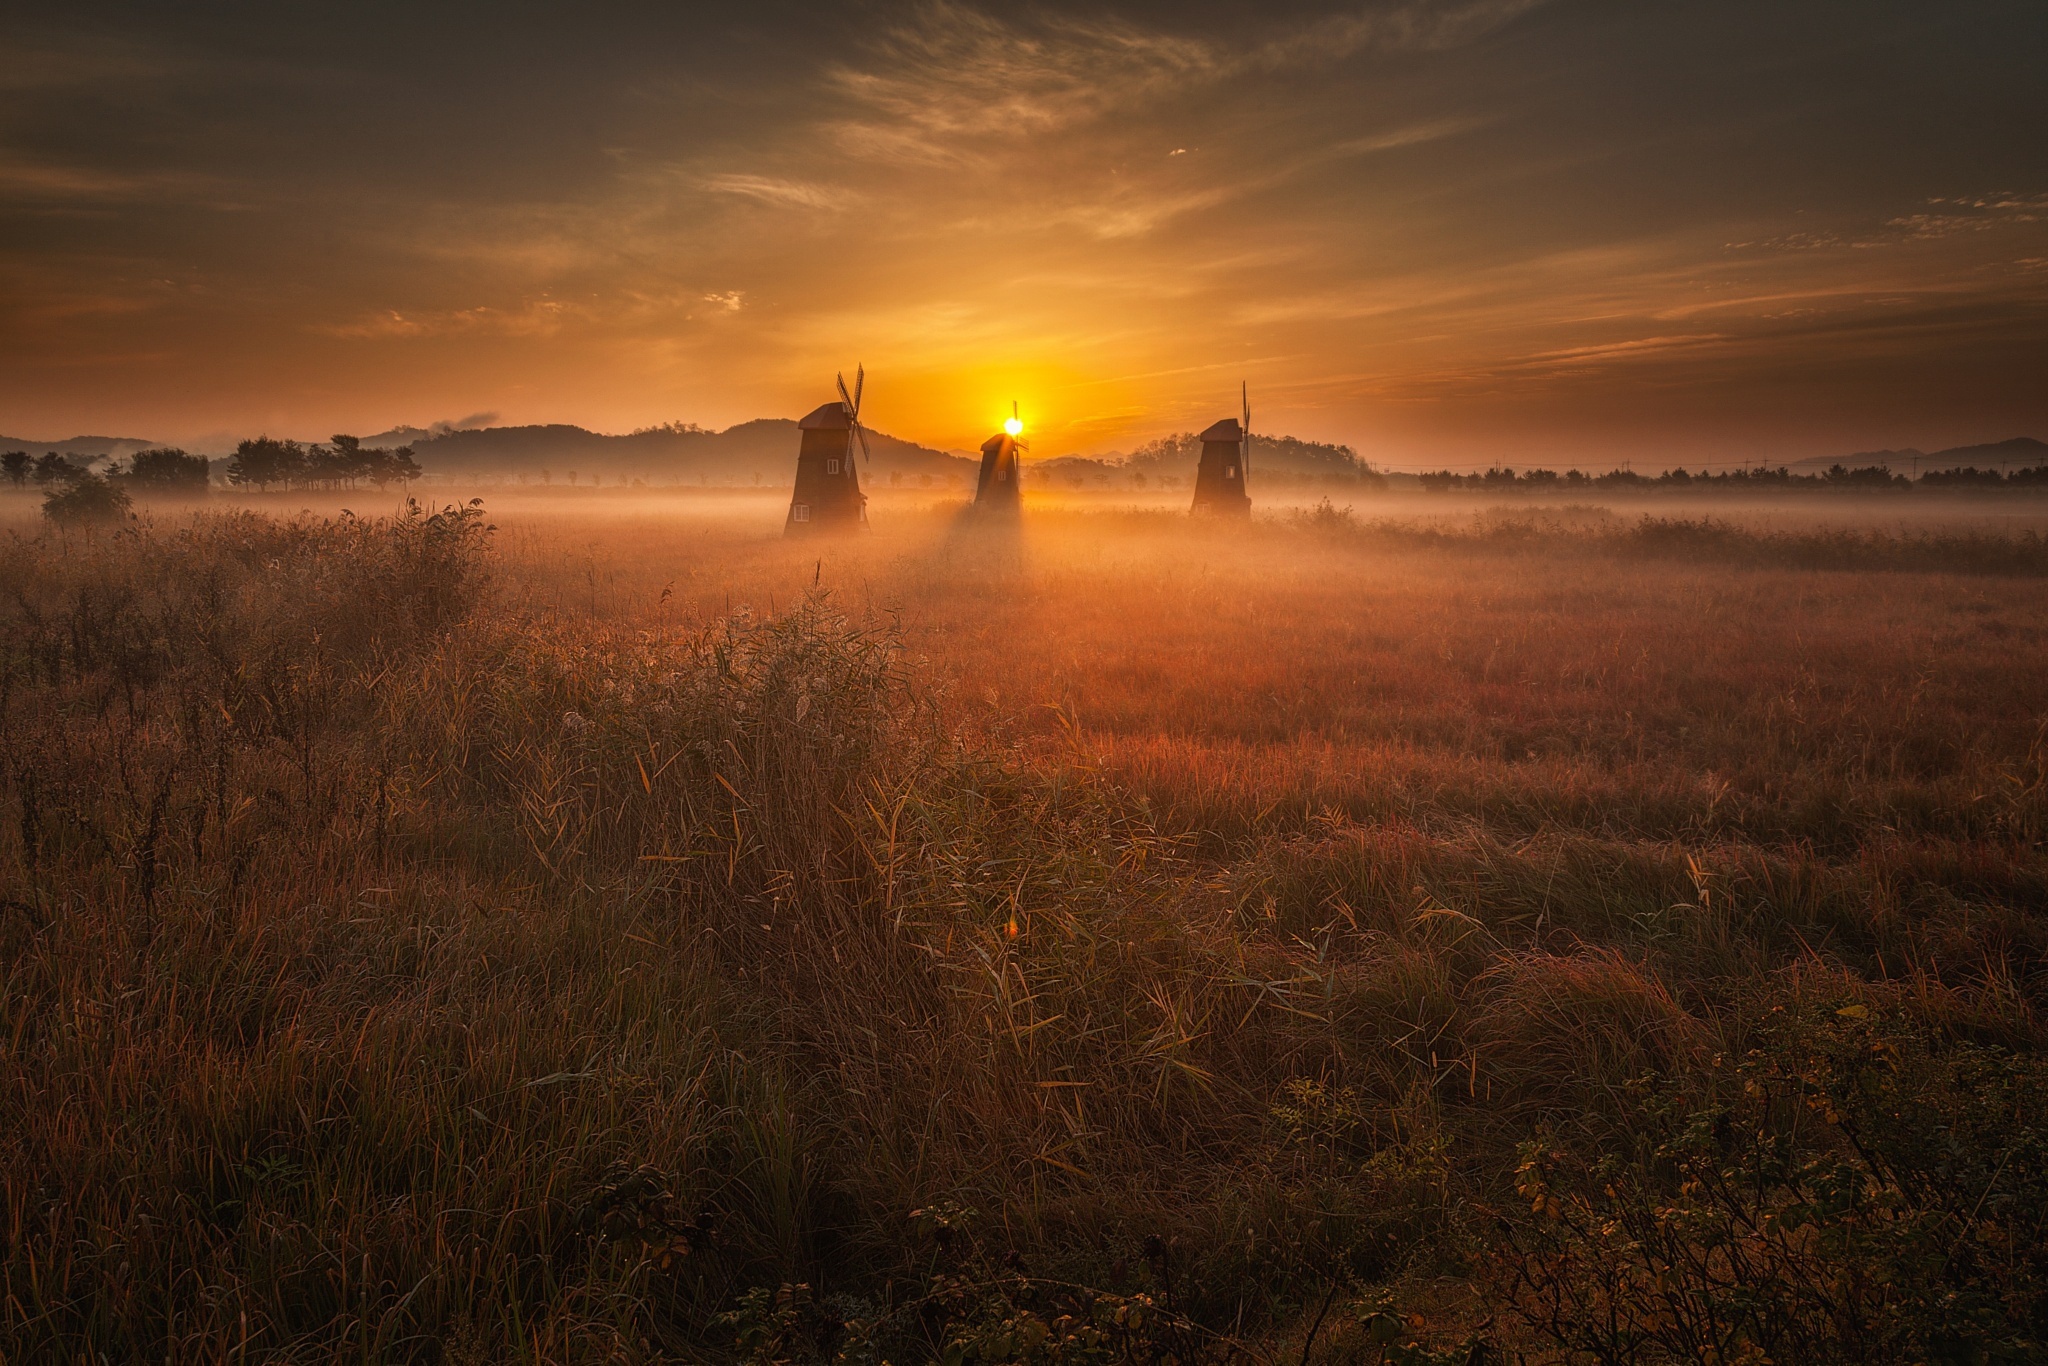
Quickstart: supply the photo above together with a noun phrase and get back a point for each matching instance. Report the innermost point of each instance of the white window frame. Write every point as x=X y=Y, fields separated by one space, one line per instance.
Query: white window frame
x=800 y=513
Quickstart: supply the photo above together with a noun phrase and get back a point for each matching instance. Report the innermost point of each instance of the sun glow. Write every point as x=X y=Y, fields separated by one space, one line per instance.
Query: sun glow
x=1013 y=425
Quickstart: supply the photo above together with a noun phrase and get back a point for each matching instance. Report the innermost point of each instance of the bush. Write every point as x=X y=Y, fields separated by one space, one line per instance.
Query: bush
x=91 y=498
x=1855 y=1189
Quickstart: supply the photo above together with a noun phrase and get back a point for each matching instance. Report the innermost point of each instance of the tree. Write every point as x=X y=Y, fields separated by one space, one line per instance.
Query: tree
x=89 y=498
x=167 y=470
x=386 y=466
x=266 y=461
x=52 y=468
x=16 y=465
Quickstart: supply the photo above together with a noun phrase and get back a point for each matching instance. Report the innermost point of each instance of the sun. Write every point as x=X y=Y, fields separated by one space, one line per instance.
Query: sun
x=1013 y=425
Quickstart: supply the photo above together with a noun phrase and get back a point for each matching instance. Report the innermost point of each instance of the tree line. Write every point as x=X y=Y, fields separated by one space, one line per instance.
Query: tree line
x=74 y=493
x=261 y=462
x=1866 y=478
x=343 y=464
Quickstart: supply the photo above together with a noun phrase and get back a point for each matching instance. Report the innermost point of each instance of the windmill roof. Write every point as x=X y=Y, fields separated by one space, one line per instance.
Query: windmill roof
x=1226 y=430
x=827 y=415
x=995 y=443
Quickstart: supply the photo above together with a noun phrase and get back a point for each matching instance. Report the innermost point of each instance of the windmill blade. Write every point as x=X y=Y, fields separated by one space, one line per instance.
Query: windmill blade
x=862 y=433
x=840 y=380
x=1244 y=460
x=860 y=380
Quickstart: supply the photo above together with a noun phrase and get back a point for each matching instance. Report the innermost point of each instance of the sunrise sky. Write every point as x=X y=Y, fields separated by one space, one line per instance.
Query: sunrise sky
x=1527 y=230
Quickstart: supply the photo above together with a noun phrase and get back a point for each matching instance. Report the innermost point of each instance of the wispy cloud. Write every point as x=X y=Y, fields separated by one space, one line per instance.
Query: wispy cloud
x=1941 y=217
x=953 y=75
x=953 y=72
x=43 y=182
x=537 y=317
x=1426 y=25
x=783 y=194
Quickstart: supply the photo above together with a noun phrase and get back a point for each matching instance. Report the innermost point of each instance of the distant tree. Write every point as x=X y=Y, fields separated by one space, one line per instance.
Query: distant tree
x=1967 y=477
x=2037 y=477
x=16 y=465
x=383 y=467
x=52 y=468
x=167 y=470
x=1867 y=477
x=266 y=461
x=89 y=498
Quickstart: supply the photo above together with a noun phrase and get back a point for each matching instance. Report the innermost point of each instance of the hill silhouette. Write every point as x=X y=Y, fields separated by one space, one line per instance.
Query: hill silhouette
x=2018 y=450
x=82 y=449
x=762 y=451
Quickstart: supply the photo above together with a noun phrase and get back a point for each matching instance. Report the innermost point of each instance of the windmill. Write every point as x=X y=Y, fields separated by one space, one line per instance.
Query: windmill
x=1000 y=489
x=827 y=497
x=1226 y=460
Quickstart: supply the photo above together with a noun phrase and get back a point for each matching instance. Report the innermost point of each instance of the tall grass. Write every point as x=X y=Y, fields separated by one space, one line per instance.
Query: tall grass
x=401 y=965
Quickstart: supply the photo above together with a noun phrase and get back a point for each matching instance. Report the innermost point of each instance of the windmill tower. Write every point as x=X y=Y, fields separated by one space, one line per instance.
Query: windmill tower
x=828 y=496
x=1226 y=454
x=1000 y=489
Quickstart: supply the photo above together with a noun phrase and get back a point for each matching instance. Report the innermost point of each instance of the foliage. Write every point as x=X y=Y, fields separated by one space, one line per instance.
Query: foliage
x=53 y=469
x=1867 y=478
x=167 y=469
x=265 y=461
x=88 y=499
x=968 y=1307
x=1854 y=1189
x=15 y=467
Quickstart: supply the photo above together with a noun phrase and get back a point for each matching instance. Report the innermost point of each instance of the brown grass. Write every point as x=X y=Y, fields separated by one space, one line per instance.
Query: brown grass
x=415 y=950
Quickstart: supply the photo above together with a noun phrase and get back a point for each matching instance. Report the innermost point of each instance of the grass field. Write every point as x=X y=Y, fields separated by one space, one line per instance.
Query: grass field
x=1426 y=932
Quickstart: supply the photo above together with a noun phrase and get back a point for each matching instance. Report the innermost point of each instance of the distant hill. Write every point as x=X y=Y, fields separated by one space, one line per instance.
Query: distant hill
x=761 y=451
x=2018 y=449
x=82 y=449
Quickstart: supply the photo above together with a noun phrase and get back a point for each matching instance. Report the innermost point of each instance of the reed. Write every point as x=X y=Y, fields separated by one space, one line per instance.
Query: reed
x=410 y=956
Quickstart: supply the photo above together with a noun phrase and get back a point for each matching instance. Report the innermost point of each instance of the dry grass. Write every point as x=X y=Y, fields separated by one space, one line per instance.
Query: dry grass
x=414 y=950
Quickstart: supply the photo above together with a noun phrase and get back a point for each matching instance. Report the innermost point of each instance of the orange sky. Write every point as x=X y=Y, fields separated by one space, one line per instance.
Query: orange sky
x=1441 y=232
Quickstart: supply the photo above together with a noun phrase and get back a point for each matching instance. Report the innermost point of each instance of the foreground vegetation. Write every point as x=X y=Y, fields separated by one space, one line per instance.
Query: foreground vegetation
x=406 y=958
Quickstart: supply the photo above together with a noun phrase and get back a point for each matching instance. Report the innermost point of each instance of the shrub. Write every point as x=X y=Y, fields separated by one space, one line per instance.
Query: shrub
x=91 y=498
x=1856 y=1188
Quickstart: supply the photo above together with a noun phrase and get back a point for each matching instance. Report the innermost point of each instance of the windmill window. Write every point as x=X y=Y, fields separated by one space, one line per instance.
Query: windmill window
x=1230 y=471
x=831 y=467
x=800 y=513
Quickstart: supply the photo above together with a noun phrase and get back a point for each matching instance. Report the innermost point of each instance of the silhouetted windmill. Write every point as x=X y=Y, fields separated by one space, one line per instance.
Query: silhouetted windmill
x=828 y=496
x=1000 y=489
x=1226 y=457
